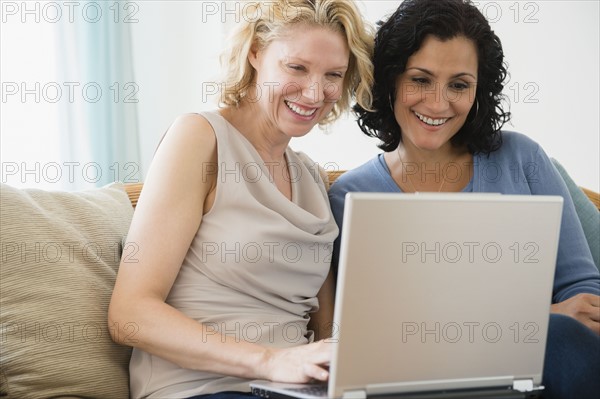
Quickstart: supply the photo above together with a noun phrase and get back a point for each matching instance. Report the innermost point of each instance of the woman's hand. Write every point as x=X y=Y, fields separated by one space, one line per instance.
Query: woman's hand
x=299 y=364
x=582 y=307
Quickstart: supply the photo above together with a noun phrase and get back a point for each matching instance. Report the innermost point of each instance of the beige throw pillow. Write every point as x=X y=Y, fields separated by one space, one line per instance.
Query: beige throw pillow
x=60 y=253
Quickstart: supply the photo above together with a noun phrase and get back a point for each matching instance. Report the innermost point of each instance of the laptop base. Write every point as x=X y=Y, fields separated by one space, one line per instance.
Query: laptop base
x=478 y=393
x=458 y=394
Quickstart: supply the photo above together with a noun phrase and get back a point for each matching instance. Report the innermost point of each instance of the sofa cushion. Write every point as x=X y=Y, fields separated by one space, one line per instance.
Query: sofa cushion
x=60 y=253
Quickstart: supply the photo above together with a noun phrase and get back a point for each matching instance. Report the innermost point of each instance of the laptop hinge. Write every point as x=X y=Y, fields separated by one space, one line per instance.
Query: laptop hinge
x=524 y=385
x=355 y=394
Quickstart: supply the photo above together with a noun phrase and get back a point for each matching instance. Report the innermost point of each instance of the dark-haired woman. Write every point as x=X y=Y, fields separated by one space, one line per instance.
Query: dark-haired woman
x=437 y=109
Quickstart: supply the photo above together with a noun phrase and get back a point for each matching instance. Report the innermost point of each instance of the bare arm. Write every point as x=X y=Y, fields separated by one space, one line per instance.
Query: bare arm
x=176 y=194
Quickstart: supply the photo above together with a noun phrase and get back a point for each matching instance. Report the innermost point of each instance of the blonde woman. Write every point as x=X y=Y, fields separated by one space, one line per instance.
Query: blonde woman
x=233 y=229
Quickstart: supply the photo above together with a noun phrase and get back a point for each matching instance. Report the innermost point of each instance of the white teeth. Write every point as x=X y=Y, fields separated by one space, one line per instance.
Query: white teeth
x=298 y=110
x=429 y=121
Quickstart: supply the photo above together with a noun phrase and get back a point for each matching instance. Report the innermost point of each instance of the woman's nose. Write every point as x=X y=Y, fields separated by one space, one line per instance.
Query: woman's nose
x=435 y=98
x=313 y=91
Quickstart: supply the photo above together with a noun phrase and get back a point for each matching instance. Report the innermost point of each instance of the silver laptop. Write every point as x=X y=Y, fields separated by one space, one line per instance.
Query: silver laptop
x=440 y=295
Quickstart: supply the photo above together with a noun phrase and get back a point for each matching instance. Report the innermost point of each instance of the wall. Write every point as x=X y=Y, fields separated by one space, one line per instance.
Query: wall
x=552 y=48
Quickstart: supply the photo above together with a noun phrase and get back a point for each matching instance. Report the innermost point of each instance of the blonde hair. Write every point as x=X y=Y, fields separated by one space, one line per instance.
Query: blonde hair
x=266 y=20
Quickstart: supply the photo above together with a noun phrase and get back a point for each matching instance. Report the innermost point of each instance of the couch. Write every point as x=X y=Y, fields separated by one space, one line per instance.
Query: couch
x=60 y=253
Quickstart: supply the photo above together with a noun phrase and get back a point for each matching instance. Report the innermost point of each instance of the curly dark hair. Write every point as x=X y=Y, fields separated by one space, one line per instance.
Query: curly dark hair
x=402 y=35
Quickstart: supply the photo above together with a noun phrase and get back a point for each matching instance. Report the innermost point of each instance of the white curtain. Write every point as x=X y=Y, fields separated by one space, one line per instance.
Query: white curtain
x=69 y=97
x=100 y=128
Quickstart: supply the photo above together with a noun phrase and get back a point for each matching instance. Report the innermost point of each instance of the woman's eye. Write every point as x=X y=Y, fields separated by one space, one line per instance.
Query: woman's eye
x=296 y=67
x=459 y=86
x=421 y=81
x=336 y=75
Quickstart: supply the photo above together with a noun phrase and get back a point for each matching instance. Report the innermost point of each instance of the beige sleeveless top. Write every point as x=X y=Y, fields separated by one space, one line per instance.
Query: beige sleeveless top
x=253 y=269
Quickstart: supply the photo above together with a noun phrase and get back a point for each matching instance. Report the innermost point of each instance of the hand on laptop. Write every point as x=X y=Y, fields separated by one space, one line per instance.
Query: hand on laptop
x=582 y=307
x=300 y=364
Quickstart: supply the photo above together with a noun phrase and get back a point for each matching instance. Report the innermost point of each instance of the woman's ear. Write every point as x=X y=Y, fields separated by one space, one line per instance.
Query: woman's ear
x=253 y=55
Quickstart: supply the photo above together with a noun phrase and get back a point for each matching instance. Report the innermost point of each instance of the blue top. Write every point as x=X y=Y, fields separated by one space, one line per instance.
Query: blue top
x=520 y=166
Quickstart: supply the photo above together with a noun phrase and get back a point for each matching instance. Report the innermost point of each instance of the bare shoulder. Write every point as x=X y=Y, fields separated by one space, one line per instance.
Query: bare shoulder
x=192 y=128
x=177 y=173
x=192 y=121
x=189 y=144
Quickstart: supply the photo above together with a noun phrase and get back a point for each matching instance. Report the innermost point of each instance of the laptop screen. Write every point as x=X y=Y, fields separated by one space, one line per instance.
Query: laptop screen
x=443 y=290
